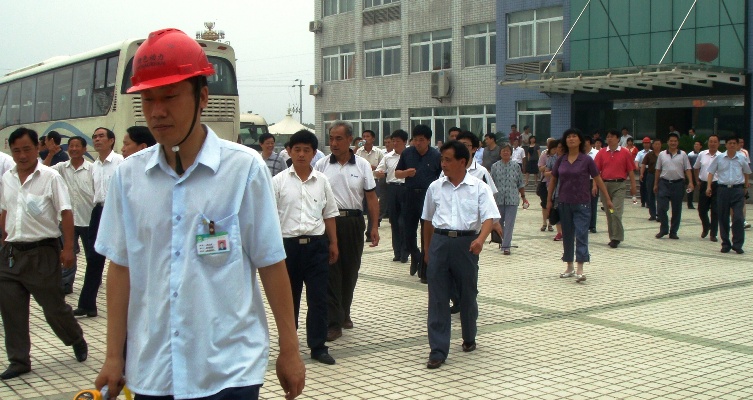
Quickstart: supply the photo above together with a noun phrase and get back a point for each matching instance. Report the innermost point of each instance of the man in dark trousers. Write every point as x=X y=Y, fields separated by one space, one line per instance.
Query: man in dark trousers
x=352 y=180
x=34 y=198
x=672 y=168
x=458 y=213
x=733 y=172
x=307 y=210
x=419 y=165
x=395 y=193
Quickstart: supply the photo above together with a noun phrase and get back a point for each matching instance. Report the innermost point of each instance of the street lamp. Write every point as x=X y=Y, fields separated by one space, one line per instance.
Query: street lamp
x=300 y=100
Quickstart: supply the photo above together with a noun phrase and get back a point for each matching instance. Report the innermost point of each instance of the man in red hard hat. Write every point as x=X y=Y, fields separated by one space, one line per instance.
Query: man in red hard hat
x=190 y=223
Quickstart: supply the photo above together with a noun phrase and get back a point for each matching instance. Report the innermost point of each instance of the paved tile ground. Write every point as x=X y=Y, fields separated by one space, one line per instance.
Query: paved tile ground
x=656 y=319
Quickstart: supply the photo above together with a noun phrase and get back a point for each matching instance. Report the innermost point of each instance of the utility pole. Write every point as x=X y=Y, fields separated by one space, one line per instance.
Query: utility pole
x=300 y=100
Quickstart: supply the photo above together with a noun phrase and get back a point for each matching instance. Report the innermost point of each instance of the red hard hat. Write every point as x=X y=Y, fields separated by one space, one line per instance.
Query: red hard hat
x=167 y=56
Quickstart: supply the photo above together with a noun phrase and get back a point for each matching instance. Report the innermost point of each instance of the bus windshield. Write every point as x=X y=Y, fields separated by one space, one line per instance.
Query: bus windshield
x=222 y=83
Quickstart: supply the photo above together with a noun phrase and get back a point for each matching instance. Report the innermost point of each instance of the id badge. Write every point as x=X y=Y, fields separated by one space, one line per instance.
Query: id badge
x=212 y=244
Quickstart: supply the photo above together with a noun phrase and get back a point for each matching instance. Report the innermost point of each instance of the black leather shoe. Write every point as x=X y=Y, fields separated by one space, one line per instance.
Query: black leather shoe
x=348 y=324
x=434 y=364
x=81 y=350
x=396 y=258
x=713 y=239
x=14 y=371
x=455 y=309
x=324 y=358
x=469 y=347
x=613 y=243
x=673 y=236
x=725 y=250
x=80 y=312
x=704 y=233
x=404 y=259
x=660 y=235
x=690 y=207
x=414 y=264
x=738 y=251
x=424 y=281
x=592 y=230
x=652 y=219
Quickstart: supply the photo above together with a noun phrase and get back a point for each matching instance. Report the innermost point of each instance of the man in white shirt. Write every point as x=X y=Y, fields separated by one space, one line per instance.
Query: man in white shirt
x=707 y=203
x=625 y=136
x=518 y=154
x=458 y=213
x=77 y=175
x=638 y=161
x=352 y=180
x=191 y=222
x=394 y=194
x=373 y=155
x=34 y=200
x=307 y=210
x=672 y=168
x=102 y=171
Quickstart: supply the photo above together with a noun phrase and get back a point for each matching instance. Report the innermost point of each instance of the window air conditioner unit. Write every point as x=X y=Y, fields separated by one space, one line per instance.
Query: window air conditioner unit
x=315 y=26
x=315 y=90
x=440 y=85
x=556 y=66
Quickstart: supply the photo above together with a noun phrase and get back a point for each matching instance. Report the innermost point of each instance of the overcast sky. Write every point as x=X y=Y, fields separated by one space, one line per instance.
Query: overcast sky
x=272 y=43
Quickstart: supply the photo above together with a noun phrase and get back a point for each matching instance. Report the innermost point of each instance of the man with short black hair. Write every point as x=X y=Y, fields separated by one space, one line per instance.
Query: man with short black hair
x=458 y=213
x=373 y=155
x=352 y=180
x=34 y=200
x=733 y=172
x=55 y=154
x=419 y=165
x=707 y=203
x=394 y=195
x=491 y=152
x=616 y=164
x=307 y=209
x=274 y=162
x=514 y=134
x=453 y=133
x=692 y=157
x=672 y=168
x=625 y=136
x=102 y=169
x=77 y=175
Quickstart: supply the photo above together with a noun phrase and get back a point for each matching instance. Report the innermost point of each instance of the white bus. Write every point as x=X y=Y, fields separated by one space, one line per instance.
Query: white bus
x=251 y=127
x=75 y=95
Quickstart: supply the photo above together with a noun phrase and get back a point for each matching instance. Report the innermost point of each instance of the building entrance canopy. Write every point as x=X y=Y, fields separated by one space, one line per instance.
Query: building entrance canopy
x=642 y=77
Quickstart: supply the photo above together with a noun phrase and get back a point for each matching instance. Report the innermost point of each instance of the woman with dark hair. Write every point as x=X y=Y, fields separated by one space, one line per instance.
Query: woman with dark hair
x=532 y=156
x=553 y=213
x=574 y=171
x=508 y=178
x=541 y=188
x=137 y=138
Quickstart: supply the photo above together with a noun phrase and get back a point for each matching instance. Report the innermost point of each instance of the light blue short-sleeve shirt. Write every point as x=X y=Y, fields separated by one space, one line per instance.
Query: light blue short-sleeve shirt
x=196 y=323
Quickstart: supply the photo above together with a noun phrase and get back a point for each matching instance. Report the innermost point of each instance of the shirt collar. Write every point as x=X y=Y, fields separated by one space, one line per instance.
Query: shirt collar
x=109 y=157
x=209 y=154
x=466 y=180
x=84 y=166
x=616 y=150
x=291 y=171
x=14 y=170
x=352 y=160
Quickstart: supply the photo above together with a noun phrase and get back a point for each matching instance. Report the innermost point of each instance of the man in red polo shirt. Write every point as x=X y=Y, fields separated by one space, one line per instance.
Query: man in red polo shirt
x=616 y=164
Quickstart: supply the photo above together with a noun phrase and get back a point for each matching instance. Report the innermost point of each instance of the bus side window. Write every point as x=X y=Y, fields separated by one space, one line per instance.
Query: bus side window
x=3 y=108
x=43 y=106
x=61 y=94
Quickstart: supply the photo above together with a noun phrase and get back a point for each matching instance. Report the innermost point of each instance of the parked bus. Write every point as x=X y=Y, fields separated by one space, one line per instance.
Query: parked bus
x=75 y=95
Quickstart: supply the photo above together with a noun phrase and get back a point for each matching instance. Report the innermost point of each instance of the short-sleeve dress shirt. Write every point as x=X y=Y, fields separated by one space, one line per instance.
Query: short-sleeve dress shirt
x=33 y=208
x=303 y=205
x=730 y=170
x=80 y=188
x=508 y=178
x=275 y=163
x=518 y=153
x=373 y=157
x=388 y=164
x=349 y=181
x=574 y=179
x=477 y=170
x=102 y=172
x=702 y=164
x=673 y=166
x=196 y=323
x=464 y=207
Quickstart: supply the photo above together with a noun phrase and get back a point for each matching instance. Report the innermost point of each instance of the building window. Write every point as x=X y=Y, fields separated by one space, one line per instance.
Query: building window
x=338 y=63
x=374 y=3
x=382 y=57
x=536 y=114
x=332 y=7
x=431 y=51
x=381 y=122
x=477 y=119
x=534 y=32
x=479 y=45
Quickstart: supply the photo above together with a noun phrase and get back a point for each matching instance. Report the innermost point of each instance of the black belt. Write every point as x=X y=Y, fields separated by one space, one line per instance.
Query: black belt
x=673 y=180
x=737 y=186
x=452 y=233
x=395 y=183
x=350 y=213
x=24 y=246
x=305 y=239
x=614 y=180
